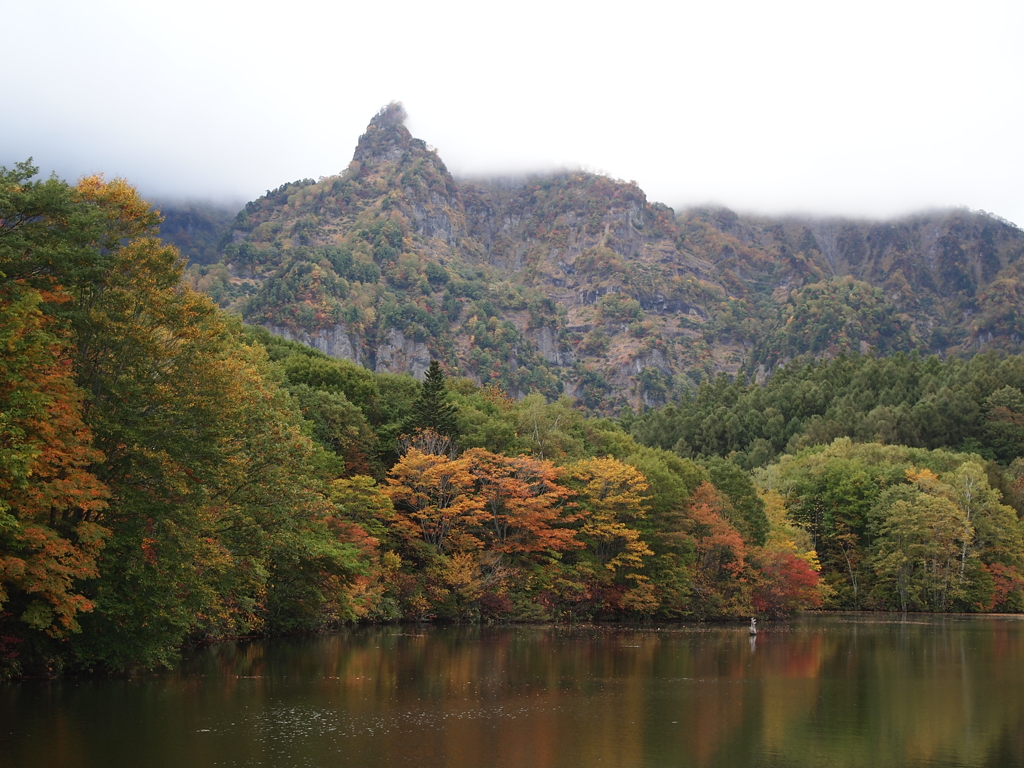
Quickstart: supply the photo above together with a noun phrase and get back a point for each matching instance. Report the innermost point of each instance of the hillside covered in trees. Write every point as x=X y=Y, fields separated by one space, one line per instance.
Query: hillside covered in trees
x=170 y=475
x=574 y=283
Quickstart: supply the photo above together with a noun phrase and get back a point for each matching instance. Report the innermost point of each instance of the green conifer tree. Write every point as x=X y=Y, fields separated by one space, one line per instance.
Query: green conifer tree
x=432 y=409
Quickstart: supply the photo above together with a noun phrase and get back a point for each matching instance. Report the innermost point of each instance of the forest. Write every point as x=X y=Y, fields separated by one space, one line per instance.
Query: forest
x=170 y=476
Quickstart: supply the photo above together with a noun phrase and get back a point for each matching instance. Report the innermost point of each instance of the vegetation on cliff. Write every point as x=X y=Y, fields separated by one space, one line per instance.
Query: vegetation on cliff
x=573 y=283
x=169 y=475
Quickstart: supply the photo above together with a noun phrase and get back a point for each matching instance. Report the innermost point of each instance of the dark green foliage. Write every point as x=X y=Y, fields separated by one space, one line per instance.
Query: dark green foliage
x=1004 y=423
x=365 y=412
x=338 y=426
x=436 y=274
x=908 y=400
x=433 y=410
x=833 y=317
x=745 y=509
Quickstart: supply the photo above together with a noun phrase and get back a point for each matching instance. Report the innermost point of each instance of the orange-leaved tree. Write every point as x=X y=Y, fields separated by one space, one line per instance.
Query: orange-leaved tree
x=721 y=555
x=51 y=504
x=435 y=499
x=523 y=503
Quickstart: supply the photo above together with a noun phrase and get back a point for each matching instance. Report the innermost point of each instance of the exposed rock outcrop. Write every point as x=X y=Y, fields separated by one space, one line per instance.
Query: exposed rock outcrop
x=401 y=355
x=335 y=341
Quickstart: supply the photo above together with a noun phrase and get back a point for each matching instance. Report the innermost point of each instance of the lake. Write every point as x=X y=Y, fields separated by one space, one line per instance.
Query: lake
x=831 y=690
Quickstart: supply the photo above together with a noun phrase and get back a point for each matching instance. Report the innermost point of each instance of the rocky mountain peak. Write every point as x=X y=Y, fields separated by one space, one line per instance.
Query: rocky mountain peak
x=386 y=136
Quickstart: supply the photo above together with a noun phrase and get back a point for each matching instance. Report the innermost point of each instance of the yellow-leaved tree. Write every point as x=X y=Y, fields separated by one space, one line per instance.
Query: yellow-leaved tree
x=608 y=496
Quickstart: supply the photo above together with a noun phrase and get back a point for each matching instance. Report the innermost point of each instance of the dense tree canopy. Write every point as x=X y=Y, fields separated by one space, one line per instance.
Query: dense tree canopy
x=904 y=399
x=902 y=528
x=170 y=476
x=158 y=485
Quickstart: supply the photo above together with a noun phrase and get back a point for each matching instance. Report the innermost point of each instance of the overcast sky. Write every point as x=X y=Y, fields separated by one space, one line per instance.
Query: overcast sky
x=866 y=108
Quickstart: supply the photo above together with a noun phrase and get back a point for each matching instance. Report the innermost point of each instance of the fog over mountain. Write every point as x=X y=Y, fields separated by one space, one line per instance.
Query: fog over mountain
x=868 y=110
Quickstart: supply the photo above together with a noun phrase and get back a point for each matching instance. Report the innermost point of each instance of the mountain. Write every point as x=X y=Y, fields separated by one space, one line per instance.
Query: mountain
x=196 y=228
x=944 y=282
x=575 y=283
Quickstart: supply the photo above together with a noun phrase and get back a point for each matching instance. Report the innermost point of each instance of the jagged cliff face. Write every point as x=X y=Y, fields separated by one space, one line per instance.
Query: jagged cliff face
x=945 y=282
x=575 y=283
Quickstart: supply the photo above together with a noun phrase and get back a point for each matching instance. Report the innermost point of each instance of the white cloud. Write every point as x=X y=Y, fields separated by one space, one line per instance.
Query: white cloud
x=871 y=108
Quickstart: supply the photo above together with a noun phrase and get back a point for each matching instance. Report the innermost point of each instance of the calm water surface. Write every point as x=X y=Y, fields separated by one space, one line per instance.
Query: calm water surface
x=823 y=691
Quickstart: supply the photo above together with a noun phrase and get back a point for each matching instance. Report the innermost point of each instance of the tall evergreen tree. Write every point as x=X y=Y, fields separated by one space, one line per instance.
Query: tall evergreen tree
x=432 y=409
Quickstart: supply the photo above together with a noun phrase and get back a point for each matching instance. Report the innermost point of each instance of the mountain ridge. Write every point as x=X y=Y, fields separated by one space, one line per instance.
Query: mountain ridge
x=575 y=283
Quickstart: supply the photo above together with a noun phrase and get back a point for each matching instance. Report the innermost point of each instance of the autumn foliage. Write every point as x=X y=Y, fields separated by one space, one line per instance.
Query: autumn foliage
x=156 y=485
x=51 y=504
x=168 y=476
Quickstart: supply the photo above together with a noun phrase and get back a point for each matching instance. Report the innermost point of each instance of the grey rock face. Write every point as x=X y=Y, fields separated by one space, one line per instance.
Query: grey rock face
x=401 y=355
x=547 y=345
x=335 y=341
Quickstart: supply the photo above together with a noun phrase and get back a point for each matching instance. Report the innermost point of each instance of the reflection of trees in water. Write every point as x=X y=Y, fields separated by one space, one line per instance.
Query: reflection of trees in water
x=834 y=691
x=904 y=692
x=519 y=696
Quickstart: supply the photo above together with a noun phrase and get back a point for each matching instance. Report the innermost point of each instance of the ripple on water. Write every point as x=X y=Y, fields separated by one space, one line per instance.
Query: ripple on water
x=305 y=735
